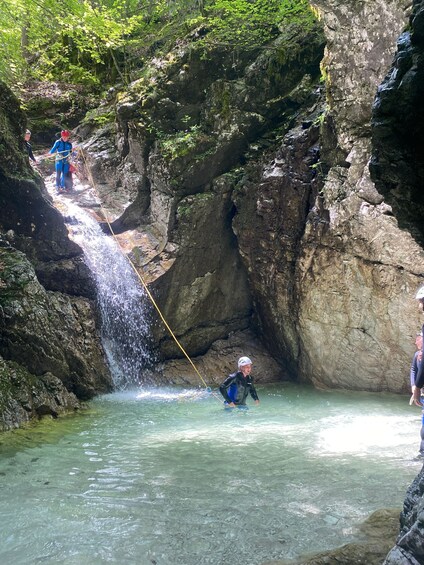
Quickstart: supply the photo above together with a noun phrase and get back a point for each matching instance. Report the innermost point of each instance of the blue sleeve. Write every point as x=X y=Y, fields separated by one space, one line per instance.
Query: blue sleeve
x=54 y=148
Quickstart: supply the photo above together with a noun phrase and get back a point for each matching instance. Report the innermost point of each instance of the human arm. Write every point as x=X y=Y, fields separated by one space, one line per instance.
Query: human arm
x=54 y=148
x=253 y=393
x=223 y=389
x=419 y=378
x=413 y=372
x=417 y=396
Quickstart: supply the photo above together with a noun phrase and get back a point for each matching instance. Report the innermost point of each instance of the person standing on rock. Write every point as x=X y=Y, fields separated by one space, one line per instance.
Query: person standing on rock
x=27 y=145
x=63 y=149
x=238 y=385
x=419 y=378
x=415 y=365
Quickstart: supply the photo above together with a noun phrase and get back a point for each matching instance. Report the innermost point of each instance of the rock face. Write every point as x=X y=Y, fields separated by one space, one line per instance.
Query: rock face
x=397 y=164
x=355 y=272
x=49 y=347
x=397 y=169
x=25 y=397
x=252 y=188
x=183 y=132
x=409 y=549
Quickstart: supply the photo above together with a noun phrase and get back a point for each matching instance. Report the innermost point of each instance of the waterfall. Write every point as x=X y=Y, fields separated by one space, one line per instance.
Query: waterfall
x=122 y=301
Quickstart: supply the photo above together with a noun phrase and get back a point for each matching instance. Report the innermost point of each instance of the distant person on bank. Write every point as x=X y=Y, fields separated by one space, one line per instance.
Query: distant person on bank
x=415 y=365
x=238 y=385
x=63 y=149
x=27 y=145
x=419 y=379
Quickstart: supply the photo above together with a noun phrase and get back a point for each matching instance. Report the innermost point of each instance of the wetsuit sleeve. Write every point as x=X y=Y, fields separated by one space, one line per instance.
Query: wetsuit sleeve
x=29 y=150
x=253 y=392
x=54 y=148
x=419 y=379
x=223 y=389
x=414 y=369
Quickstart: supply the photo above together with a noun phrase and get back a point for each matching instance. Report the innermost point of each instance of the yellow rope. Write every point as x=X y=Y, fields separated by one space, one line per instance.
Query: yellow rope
x=149 y=294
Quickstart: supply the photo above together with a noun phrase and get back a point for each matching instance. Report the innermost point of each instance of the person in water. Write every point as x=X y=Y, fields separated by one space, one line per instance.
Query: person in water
x=238 y=385
x=416 y=363
x=27 y=145
x=63 y=149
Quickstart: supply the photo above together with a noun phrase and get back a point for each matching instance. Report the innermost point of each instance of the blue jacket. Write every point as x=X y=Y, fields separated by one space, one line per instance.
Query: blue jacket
x=63 y=149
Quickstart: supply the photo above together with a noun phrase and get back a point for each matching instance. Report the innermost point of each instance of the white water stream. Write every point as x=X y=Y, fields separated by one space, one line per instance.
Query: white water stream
x=123 y=303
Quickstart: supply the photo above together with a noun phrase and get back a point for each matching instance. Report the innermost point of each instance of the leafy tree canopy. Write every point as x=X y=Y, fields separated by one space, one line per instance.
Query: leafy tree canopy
x=94 y=41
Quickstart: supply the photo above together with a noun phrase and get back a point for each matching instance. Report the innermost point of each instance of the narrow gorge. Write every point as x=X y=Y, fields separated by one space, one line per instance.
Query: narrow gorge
x=270 y=195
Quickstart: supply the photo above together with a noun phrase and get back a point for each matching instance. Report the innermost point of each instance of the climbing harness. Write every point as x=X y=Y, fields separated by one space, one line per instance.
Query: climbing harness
x=144 y=284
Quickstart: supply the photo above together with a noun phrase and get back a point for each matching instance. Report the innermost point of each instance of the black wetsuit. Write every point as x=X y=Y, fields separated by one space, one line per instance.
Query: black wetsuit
x=244 y=386
x=28 y=148
x=419 y=379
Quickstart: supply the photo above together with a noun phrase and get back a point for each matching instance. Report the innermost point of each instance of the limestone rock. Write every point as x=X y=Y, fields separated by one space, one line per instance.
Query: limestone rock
x=335 y=277
x=48 y=332
x=221 y=360
x=409 y=548
x=24 y=397
x=49 y=346
x=182 y=131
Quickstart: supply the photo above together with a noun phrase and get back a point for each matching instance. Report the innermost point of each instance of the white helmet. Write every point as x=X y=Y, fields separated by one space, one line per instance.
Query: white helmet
x=420 y=293
x=244 y=361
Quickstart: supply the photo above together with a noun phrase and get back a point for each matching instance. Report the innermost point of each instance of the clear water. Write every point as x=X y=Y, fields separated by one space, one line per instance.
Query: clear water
x=123 y=303
x=166 y=476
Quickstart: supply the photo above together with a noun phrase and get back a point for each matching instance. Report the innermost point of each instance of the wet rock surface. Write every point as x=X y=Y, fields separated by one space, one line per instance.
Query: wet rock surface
x=48 y=337
x=179 y=143
x=397 y=165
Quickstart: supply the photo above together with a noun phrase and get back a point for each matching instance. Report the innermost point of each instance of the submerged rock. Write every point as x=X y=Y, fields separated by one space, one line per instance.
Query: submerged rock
x=378 y=532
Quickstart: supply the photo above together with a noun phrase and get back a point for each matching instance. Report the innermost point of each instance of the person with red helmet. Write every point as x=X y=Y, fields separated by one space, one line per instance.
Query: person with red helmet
x=63 y=149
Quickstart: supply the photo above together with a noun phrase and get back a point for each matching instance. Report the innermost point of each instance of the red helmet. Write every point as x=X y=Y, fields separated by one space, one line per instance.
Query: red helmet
x=65 y=133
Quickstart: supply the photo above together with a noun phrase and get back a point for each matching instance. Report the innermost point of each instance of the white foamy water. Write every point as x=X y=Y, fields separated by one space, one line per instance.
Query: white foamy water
x=123 y=303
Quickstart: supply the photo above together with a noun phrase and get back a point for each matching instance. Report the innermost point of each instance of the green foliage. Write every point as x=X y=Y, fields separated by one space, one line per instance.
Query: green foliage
x=255 y=23
x=181 y=143
x=96 y=41
x=100 y=116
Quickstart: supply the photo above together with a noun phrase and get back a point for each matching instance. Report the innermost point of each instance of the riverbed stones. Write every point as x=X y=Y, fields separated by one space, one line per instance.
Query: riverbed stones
x=377 y=533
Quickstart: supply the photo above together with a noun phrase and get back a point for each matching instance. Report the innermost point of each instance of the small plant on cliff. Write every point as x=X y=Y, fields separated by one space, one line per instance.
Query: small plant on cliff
x=181 y=143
